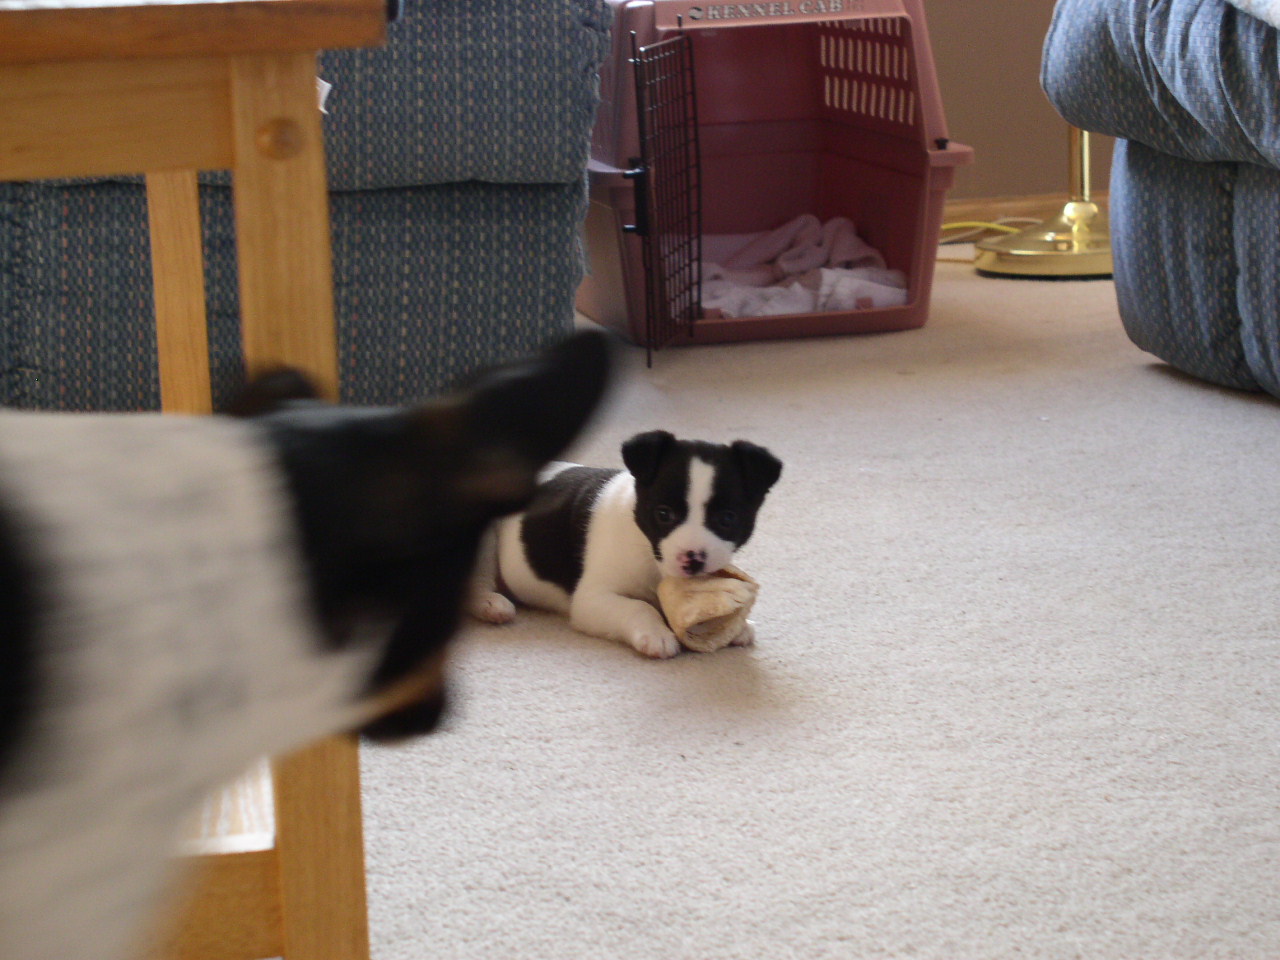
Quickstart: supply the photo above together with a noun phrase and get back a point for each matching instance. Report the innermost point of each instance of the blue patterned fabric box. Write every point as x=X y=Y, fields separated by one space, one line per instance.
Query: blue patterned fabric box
x=457 y=158
x=1192 y=88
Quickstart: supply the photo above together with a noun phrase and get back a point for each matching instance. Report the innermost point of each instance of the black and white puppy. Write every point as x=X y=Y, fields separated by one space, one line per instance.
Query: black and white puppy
x=595 y=543
x=182 y=595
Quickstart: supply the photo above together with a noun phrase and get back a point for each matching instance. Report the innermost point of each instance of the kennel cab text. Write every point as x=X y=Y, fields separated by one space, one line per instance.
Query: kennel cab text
x=786 y=8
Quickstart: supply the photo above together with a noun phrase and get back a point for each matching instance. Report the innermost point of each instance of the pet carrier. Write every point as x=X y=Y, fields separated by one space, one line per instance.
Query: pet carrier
x=729 y=132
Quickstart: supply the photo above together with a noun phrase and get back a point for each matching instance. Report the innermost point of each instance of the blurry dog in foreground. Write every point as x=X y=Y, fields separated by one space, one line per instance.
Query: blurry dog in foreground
x=182 y=595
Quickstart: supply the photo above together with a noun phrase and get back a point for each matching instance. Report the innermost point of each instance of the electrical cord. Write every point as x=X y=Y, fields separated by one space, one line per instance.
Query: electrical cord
x=975 y=230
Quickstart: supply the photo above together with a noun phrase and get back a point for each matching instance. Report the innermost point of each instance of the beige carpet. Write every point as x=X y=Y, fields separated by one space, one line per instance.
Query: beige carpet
x=1016 y=692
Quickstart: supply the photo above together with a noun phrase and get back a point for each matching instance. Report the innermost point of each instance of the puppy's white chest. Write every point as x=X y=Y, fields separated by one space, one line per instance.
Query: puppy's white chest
x=618 y=556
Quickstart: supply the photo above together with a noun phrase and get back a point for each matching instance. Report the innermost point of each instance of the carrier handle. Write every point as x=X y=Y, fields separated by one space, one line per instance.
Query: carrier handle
x=640 y=174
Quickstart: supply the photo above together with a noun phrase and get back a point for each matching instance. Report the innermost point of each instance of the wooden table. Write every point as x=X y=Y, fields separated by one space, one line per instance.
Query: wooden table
x=166 y=89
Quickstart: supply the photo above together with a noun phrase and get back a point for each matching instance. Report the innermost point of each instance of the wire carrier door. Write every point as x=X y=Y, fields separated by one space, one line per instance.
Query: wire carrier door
x=669 y=189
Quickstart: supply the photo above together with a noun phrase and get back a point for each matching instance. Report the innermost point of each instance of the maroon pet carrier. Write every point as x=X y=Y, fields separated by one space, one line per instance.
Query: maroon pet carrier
x=733 y=120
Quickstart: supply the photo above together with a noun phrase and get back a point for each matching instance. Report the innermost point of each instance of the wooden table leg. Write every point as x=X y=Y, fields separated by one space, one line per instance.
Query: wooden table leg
x=286 y=316
x=320 y=846
x=282 y=217
x=177 y=270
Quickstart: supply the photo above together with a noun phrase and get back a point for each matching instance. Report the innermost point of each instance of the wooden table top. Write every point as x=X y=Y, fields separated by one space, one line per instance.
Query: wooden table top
x=34 y=31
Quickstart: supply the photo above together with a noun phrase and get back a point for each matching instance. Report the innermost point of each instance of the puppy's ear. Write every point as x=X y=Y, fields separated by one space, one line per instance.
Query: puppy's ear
x=271 y=390
x=643 y=454
x=760 y=468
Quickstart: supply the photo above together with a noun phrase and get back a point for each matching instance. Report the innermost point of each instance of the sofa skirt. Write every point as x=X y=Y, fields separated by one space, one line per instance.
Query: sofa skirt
x=1195 y=253
x=430 y=283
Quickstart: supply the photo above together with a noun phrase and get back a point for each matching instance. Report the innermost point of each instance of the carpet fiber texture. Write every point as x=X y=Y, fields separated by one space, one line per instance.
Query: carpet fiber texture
x=1015 y=692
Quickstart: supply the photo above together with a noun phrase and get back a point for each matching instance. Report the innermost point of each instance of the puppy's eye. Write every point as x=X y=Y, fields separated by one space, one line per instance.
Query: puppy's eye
x=725 y=518
x=664 y=515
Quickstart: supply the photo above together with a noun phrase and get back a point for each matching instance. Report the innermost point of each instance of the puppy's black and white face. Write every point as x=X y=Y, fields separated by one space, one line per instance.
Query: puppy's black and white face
x=696 y=502
x=392 y=504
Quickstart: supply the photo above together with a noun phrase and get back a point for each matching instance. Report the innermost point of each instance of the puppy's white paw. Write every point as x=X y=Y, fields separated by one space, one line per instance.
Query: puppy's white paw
x=492 y=608
x=746 y=638
x=660 y=645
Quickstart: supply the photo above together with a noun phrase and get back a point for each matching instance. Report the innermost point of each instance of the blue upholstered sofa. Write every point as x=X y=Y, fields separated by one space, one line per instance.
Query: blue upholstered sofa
x=457 y=159
x=1192 y=88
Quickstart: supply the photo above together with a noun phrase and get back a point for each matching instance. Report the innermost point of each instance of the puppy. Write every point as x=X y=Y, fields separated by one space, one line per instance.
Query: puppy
x=594 y=543
x=182 y=595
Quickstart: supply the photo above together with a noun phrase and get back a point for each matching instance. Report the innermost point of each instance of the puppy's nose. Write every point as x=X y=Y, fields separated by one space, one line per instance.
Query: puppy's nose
x=693 y=562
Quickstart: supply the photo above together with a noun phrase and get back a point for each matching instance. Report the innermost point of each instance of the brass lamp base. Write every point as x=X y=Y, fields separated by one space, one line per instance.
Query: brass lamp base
x=1075 y=244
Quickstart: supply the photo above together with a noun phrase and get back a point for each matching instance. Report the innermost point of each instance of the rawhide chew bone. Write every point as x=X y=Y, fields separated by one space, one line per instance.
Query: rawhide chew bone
x=708 y=612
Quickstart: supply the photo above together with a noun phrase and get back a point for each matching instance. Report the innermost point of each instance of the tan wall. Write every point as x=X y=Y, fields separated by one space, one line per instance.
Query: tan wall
x=988 y=58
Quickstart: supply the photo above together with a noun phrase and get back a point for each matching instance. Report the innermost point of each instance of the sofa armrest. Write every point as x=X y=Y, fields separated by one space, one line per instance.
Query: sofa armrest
x=1197 y=79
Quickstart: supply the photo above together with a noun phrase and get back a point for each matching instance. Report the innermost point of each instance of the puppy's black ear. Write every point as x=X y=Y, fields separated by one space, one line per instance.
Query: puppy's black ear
x=760 y=468
x=271 y=390
x=643 y=454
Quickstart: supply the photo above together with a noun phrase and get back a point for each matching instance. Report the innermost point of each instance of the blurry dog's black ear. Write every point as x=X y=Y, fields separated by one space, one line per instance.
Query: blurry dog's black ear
x=643 y=454
x=760 y=468
x=509 y=422
x=538 y=407
x=411 y=721
x=271 y=390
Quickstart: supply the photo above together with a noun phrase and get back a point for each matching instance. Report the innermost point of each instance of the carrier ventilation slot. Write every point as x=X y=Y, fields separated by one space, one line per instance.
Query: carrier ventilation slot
x=866 y=71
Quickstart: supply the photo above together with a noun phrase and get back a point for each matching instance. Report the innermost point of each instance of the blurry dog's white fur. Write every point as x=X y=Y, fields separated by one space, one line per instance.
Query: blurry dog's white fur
x=181 y=596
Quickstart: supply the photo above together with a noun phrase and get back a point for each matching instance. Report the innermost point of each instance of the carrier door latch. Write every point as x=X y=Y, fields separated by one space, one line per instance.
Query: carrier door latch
x=640 y=174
